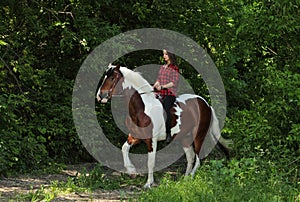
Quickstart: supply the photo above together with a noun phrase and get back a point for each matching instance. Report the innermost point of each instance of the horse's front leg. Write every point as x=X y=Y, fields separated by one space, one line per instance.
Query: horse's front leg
x=127 y=163
x=152 y=146
x=125 y=151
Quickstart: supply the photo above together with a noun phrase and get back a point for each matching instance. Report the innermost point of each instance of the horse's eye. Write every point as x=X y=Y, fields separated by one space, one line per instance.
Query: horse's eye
x=112 y=78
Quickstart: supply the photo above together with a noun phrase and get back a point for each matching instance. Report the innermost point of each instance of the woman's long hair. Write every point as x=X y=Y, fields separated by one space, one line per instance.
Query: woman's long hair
x=172 y=58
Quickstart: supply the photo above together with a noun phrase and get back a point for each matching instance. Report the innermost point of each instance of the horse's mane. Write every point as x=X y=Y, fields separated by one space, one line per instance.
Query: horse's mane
x=135 y=80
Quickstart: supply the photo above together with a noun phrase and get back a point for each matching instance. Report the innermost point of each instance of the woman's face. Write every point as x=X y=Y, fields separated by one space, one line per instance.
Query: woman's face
x=166 y=56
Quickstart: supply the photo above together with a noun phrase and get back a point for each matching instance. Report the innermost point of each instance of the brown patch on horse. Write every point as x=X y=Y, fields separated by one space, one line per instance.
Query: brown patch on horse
x=132 y=140
x=174 y=116
x=137 y=111
x=204 y=124
x=138 y=123
x=189 y=116
x=149 y=144
x=196 y=122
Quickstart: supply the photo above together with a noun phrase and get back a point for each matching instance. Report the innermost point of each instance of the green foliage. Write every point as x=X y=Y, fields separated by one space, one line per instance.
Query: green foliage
x=247 y=179
x=20 y=148
x=42 y=47
x=255 y=45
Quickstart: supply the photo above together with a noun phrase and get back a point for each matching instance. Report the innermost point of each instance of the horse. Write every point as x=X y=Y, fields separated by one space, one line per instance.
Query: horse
x=193 y=120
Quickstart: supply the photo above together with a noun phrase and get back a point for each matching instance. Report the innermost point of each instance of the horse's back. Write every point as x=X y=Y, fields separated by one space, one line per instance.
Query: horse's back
x=185 y=97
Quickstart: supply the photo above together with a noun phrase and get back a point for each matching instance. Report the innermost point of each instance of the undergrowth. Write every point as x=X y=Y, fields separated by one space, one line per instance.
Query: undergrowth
x=246 y=179
x=83 y=182
x=238 y=180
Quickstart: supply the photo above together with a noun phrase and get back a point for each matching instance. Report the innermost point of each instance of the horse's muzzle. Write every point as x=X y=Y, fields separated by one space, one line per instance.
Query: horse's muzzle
x=103 y=97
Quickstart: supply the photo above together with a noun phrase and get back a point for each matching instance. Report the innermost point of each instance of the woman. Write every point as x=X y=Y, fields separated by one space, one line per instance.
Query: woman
x=166 y=84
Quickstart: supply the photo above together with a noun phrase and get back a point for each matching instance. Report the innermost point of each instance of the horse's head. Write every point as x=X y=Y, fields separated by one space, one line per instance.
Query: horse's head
x=109 y=84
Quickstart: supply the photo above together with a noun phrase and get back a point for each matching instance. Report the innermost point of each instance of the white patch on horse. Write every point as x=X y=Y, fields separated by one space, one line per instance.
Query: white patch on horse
x=153 y=107
x=183 y=98
x=176 y=128
x=98 y=93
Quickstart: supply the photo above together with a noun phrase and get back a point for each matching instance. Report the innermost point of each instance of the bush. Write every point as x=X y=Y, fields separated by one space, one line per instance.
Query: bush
x=21 y=149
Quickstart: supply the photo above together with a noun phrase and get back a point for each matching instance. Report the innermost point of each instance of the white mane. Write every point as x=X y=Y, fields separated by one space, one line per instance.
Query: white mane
x=135 y=80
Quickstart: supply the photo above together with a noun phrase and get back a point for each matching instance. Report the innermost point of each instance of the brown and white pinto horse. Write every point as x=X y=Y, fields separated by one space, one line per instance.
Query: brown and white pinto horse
x=194 y=122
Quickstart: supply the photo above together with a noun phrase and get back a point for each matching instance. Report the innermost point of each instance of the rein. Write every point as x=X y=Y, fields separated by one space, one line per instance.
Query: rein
x=115 y=83
x=143 y=93
x=121 y=93
x=153 y=91
x=119 y=75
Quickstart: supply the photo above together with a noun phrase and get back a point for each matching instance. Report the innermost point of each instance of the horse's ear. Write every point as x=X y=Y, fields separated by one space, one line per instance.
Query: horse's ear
x=118 y=69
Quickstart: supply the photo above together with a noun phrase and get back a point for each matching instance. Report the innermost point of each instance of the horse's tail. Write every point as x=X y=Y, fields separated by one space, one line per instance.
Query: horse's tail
x=224 y=145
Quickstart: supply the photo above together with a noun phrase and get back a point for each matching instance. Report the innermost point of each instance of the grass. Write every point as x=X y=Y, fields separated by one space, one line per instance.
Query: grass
x=84 y=182
x=243 y=180
x=246 y=179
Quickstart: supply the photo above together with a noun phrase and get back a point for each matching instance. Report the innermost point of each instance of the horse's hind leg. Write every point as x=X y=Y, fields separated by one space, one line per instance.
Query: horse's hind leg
x=198 y=141
x=196 y=166
x=190 y=157
x=200 y=134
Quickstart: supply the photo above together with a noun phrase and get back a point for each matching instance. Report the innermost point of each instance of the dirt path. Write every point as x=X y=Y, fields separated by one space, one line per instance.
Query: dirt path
x=13 y=186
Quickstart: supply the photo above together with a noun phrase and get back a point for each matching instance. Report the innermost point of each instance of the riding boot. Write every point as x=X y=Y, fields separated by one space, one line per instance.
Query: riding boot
x=169 y=138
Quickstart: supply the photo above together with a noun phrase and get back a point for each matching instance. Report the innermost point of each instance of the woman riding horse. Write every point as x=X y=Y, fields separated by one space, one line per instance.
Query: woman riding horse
x=166 y=84
x=193 y=121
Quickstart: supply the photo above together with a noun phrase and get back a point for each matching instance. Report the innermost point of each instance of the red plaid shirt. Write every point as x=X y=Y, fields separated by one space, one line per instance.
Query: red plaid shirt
x=166 y=75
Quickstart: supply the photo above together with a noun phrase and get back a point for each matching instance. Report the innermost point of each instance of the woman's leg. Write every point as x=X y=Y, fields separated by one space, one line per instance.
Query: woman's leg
x=168 y=102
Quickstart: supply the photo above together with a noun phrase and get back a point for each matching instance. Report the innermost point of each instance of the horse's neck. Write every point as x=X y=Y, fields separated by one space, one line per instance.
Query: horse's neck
x=137 y=101
x=140 y=87
x=136 y=81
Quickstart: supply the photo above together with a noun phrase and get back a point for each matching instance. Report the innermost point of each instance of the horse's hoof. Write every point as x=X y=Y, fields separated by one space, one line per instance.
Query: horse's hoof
x=133 y=176
x=147 y=186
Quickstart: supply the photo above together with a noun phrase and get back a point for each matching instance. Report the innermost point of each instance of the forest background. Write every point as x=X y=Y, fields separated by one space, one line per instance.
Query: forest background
x=255 y=45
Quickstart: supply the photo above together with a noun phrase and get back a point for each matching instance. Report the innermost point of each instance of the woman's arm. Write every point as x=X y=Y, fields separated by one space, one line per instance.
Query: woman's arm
x=168 y=85
x=156 y=85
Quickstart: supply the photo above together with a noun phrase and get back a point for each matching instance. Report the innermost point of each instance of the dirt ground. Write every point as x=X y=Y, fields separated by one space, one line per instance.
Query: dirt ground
x=10 y=187
x=13 y=186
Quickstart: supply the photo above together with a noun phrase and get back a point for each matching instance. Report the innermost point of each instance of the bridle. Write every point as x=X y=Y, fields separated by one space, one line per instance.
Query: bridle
x=118 y=77
x=108 y=93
